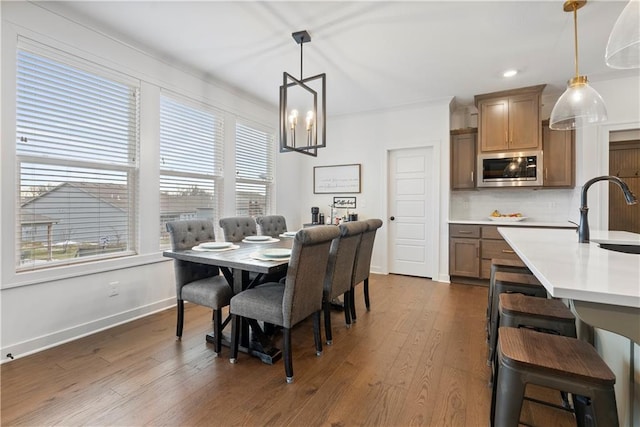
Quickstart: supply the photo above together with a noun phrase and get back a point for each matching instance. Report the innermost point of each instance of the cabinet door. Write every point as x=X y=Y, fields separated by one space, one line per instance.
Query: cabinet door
x=463 y=161
x=464 y=257
x=524 y=122
x=558 y=157
x=494 y=124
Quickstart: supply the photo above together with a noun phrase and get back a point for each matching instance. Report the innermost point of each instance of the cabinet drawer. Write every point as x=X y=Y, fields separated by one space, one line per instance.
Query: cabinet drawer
x=497 y=249
x=464 y=230
x=491 y=232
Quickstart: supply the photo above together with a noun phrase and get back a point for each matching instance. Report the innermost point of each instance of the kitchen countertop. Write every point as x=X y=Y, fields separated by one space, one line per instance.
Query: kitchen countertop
x=579 y=271
x=524 y=223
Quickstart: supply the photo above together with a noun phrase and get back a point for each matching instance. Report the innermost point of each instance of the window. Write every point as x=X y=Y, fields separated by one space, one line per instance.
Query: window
x=77 y=156
x=191 y=158
x=254 y=170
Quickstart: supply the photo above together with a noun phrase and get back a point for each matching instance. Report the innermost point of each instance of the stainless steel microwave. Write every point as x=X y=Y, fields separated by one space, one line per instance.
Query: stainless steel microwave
x=516 y=169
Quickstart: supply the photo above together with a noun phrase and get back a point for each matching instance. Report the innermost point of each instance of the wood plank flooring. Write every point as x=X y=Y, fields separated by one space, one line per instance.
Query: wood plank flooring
x=417 y=358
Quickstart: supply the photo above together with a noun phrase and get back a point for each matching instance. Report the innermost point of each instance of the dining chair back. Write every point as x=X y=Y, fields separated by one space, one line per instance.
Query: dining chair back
x=238 y=227
x=271 y=225
x=363 y=263
x=300 y=296
x=198 y=283
x=337 y=281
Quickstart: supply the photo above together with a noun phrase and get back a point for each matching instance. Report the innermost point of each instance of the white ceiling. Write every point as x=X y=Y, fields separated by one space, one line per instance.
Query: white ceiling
x=376 y=55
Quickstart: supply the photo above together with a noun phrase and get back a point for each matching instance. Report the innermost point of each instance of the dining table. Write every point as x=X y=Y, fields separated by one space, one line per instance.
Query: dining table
x=237 y=262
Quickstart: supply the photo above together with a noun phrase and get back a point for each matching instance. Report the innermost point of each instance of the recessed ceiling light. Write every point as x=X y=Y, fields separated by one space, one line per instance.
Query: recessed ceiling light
x=510 y=73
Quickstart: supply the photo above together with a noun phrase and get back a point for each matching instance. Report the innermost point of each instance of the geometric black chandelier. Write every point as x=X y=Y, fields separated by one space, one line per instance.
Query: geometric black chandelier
x=302 y=109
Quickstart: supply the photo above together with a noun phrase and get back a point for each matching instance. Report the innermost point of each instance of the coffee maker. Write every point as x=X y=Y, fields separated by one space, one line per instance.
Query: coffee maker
x=315 y=215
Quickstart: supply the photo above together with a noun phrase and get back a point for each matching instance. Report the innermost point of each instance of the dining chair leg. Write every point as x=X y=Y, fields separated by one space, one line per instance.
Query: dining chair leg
x=180 y=317
x=288 y=364
x=217 y=331
x=352 y=304
x=347 y=308
x=366 y=294
x=326 y=306
x=316 y=332
x=235 y=337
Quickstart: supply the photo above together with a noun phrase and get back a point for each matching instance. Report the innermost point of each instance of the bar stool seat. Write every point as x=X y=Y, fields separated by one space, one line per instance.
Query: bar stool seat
x=505 y=265
x=562 y=363
x=509 y=282
x=541 y=314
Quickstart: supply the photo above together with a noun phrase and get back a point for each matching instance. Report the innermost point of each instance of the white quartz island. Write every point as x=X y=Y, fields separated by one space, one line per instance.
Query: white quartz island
x=604 y=285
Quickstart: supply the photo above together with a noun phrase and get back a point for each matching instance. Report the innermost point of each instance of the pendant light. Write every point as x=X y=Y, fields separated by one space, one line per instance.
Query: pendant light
x=580 y=105
x=623 y=48
x=302 y=108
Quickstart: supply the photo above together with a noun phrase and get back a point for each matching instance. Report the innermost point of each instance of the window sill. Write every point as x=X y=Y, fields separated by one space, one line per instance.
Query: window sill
x=27 y=278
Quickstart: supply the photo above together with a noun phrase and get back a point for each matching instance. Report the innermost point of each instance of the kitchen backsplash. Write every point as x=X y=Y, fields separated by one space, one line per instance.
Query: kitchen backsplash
x=538 y=205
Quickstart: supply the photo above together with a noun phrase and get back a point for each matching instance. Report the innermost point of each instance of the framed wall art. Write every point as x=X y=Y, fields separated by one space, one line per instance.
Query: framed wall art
x=344 y=202
x=336 y=179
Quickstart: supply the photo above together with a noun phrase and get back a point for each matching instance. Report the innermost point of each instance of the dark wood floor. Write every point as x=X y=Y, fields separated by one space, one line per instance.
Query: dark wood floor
x=417 y=358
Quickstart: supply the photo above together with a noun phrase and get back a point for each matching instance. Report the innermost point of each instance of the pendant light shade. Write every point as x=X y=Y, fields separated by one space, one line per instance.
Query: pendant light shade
x=580 y=105
x=623 y=48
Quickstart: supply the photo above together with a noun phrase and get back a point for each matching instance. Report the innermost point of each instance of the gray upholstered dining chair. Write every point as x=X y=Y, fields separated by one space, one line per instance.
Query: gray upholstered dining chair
x=237 y=228
x=198 y=283
x=363 y=264
x=300 y=296
x=337 y=281
x=271 y=225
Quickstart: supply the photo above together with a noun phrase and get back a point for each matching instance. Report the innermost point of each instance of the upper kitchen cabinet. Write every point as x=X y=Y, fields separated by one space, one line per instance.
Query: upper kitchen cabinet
x=463 y=159
x=559 y=157
x=509 y=120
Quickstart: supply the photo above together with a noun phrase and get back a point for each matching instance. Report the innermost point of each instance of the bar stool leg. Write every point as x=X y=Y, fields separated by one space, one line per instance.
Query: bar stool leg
x=509 y=390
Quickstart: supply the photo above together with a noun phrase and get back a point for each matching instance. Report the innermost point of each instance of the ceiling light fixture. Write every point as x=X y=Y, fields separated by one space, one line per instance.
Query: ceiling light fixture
x=302 y=134
x=623 y=48
x=510 y=73
x=580 y=105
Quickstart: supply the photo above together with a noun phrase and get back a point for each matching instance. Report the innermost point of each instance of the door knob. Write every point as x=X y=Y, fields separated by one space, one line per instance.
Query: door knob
x=392 y=218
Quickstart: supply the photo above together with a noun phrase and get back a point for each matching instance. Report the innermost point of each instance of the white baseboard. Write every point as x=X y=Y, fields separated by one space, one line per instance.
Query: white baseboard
x=54 y=339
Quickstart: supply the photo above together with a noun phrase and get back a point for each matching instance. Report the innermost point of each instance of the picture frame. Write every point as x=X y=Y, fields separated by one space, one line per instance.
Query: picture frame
x=344 y=202
x=336 y=179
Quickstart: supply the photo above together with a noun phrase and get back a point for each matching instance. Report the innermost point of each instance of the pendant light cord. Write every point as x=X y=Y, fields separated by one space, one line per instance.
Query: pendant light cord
x=302 y=44
x=575 y=34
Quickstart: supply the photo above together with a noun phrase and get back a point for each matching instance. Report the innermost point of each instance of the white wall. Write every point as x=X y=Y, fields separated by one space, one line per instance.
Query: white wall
x=41 y=309
x=366 y=138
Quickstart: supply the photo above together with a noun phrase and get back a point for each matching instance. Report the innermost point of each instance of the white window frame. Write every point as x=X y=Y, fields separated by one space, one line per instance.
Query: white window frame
x=246 y=179
x=128 y=167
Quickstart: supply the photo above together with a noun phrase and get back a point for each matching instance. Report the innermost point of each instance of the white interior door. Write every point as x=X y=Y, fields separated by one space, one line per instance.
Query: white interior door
x=411 y=211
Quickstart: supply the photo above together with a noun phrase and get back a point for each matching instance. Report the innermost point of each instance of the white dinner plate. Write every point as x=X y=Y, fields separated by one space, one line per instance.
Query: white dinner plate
x=507 y=218
x=215 y=245
x=257 y=238
x=276 y=253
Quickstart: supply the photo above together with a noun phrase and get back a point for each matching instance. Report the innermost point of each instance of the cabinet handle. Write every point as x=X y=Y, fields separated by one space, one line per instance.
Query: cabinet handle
x=464 y=232
x=507 y=251
x=472 y=177
x=511 y=137
x=506 y=137
x=546 y=173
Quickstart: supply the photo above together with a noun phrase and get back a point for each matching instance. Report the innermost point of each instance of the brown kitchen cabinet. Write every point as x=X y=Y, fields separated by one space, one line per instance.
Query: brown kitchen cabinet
x=559 y=157
x=464 y=250
x=463 y=159
x=509 y=120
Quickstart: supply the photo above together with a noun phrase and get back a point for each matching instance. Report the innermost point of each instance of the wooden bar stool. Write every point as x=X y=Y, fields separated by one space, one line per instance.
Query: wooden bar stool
x=504 y=265
x=507 y=282
x=541 y=314
x=562 y=363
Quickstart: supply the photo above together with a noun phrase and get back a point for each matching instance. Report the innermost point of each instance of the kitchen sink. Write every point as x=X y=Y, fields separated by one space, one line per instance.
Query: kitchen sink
x=627 y=249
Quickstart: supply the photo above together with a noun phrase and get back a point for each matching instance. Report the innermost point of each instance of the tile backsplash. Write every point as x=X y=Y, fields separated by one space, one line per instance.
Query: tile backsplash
x=538 y=205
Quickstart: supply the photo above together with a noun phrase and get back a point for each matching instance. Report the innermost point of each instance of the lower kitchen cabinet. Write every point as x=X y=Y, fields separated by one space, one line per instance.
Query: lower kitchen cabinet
x=471 y=248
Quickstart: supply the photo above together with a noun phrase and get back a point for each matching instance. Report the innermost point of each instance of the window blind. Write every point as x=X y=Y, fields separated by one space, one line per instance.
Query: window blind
x=254 y=170
x=77 y=144
x=191 y=159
